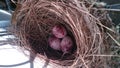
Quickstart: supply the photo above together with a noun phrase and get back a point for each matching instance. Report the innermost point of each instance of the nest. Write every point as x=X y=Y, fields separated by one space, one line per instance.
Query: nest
x=34 y=19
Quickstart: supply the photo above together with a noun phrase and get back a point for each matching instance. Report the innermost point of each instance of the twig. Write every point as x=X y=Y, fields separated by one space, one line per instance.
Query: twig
x=114 y=39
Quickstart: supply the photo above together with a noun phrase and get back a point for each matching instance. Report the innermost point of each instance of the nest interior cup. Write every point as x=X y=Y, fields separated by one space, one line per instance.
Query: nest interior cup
x=33 y=22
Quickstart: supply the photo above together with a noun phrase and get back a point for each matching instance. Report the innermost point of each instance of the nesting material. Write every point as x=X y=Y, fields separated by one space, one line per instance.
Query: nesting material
x=34 y=22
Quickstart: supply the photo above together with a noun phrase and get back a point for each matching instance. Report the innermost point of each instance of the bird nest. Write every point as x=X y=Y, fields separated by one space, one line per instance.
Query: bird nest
x=33 y=21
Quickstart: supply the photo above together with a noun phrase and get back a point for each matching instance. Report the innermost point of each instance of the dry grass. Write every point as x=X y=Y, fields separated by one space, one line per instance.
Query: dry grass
x=90 y=29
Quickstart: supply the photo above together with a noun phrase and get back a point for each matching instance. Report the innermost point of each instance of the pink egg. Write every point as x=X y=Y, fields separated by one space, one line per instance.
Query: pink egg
x=66 y=44
x=54 y=43
x=59 y=31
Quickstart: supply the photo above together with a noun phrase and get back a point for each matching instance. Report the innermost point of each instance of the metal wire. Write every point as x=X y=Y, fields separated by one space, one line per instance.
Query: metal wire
x=14 y=65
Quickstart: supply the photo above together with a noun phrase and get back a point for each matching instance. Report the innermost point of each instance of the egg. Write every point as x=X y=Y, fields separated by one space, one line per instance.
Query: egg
x=54 y=43
x=59 y=31
x=66 y=44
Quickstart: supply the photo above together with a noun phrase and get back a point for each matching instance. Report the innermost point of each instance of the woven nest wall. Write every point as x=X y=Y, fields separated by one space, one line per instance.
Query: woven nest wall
x=33 y=21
